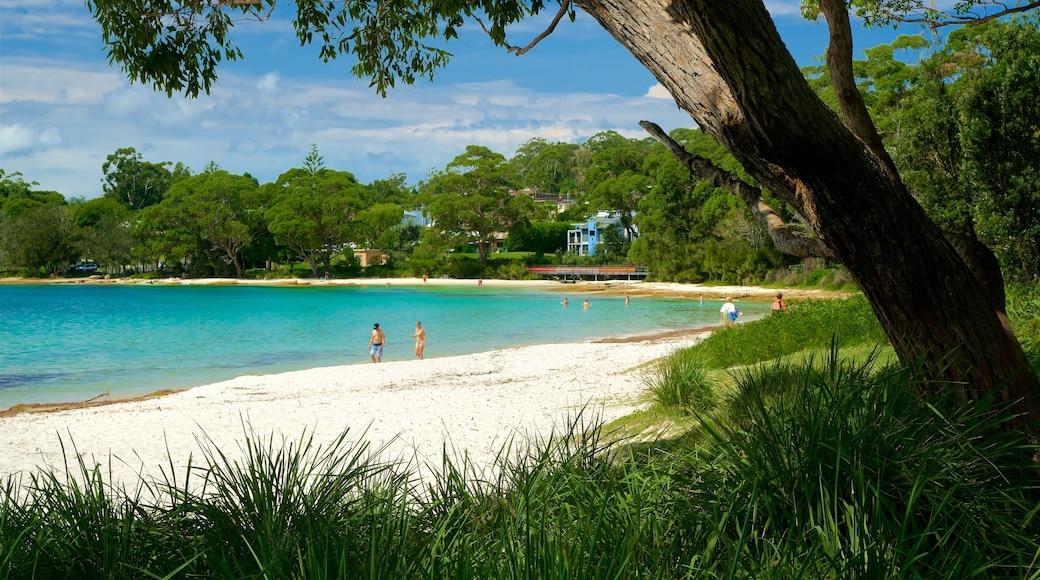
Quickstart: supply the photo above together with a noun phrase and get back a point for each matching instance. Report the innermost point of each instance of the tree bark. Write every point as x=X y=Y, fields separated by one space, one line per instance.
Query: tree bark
x=725 y=64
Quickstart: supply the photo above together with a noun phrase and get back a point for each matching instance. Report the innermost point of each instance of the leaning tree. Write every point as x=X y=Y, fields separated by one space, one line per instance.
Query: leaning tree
x=726 y=65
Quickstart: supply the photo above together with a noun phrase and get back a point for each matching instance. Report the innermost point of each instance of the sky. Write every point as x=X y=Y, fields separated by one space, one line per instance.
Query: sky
x=64 y=109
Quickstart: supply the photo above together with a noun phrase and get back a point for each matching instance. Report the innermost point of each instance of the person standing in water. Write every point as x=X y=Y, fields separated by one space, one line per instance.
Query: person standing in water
x=375 y=344
x=420 y=340
x=728 y=312
x=779 y=305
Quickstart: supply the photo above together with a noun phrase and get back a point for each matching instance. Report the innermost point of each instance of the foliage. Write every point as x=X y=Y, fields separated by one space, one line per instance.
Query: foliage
x=1000 y=133
x=315 y=211
x=554 y=168
x=837 y=469
x=681 y=381
x=691 y=231
x=545 y=237
x=615 y=180
x=1023 y=309
x=390 y=190
x=18 y=196
x=386 y=45
x=134 y=182
x=962 y=127
x=808 y=324
x=41 y=239
x=203 y=218
x=470 y=201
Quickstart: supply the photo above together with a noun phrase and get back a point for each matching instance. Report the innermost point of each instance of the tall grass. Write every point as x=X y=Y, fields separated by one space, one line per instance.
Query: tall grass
x=1023 y=309
x=861 y=478
x=809 y=324
x=682 y=381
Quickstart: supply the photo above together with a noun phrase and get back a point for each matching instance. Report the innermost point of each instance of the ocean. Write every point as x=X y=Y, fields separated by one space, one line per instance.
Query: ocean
x=73 y=342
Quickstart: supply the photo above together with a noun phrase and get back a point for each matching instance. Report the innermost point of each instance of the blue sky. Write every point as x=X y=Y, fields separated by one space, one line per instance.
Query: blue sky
x=64 y=109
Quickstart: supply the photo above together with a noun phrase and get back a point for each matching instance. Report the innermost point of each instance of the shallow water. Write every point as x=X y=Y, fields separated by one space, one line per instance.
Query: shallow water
x=61 y=343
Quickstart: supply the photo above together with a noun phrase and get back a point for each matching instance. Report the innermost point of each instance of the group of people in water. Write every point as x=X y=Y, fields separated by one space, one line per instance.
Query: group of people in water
x=378 y=340
x=728 y=315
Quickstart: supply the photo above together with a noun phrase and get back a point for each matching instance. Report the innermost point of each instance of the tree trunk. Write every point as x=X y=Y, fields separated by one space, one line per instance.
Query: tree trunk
x=725 y=64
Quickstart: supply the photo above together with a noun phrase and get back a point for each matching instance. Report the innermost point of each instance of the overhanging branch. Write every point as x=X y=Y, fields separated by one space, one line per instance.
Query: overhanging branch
x=784 y=239
x=564 y=8
x=929 y=16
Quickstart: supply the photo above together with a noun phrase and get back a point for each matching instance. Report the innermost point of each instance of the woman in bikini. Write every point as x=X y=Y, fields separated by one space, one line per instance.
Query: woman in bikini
x=420 y=339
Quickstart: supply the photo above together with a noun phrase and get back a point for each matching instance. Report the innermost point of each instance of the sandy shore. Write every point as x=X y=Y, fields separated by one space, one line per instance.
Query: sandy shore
x=473 y=403
x=633 y=287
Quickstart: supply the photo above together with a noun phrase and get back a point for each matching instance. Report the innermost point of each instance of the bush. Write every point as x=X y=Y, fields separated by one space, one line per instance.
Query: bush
x=681 y=381
x=808 y=324
x=1023 y=309
x=464 y=267
x=842 y=471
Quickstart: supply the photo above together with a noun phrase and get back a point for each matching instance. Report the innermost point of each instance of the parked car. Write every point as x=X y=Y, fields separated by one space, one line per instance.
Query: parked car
x=83 y=267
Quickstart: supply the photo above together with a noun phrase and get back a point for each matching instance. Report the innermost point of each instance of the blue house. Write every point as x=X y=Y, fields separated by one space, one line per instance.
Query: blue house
x=584 y=238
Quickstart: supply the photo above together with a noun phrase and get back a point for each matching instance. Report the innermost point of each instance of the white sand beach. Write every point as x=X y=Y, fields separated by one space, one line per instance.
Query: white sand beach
x=474 y=403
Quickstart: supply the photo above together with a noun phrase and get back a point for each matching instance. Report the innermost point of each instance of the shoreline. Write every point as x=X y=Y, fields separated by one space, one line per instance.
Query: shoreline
x=105 y=399
x=635 y=288
x=408 y=411
x=611 y=287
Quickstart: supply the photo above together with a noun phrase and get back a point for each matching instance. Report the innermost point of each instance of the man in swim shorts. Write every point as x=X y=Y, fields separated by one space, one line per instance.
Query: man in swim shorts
x=375 y=344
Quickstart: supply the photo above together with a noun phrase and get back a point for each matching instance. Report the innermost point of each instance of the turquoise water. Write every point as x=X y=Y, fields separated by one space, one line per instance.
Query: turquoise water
x=61 y=343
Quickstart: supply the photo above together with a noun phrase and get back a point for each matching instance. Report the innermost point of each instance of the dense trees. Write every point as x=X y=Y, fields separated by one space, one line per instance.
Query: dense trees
x=43 y=237
x=203 y=217
x=471 y=200
x=311 y=212
x=134 y=182
x=969 y=142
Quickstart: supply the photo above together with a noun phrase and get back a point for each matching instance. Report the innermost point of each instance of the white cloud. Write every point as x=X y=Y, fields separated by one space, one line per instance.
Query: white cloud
x=269 y=83
x=47 y=82
x=783 y=7
x=659 y=92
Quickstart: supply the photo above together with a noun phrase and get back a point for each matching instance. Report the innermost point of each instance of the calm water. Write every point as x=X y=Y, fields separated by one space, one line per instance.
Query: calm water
x=63 y=343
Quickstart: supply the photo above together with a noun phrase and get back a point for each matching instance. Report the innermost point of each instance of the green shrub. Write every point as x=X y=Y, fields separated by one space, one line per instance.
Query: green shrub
x=464 y=267
x=840 y=470
x=681 y=381
x=809 y=324
x=1023 y=309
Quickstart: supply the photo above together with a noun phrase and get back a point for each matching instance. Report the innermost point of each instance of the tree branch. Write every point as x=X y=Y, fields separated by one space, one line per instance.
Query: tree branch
x=784 y=239
x=564 y=8
x=839 y=63
x=978 y=257
x=937 y=18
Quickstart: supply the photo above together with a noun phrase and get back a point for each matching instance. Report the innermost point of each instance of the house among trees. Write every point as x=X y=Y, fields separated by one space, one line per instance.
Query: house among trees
x=370 y=257
x=584 y=237
x=416 y=217
x=555 y=203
